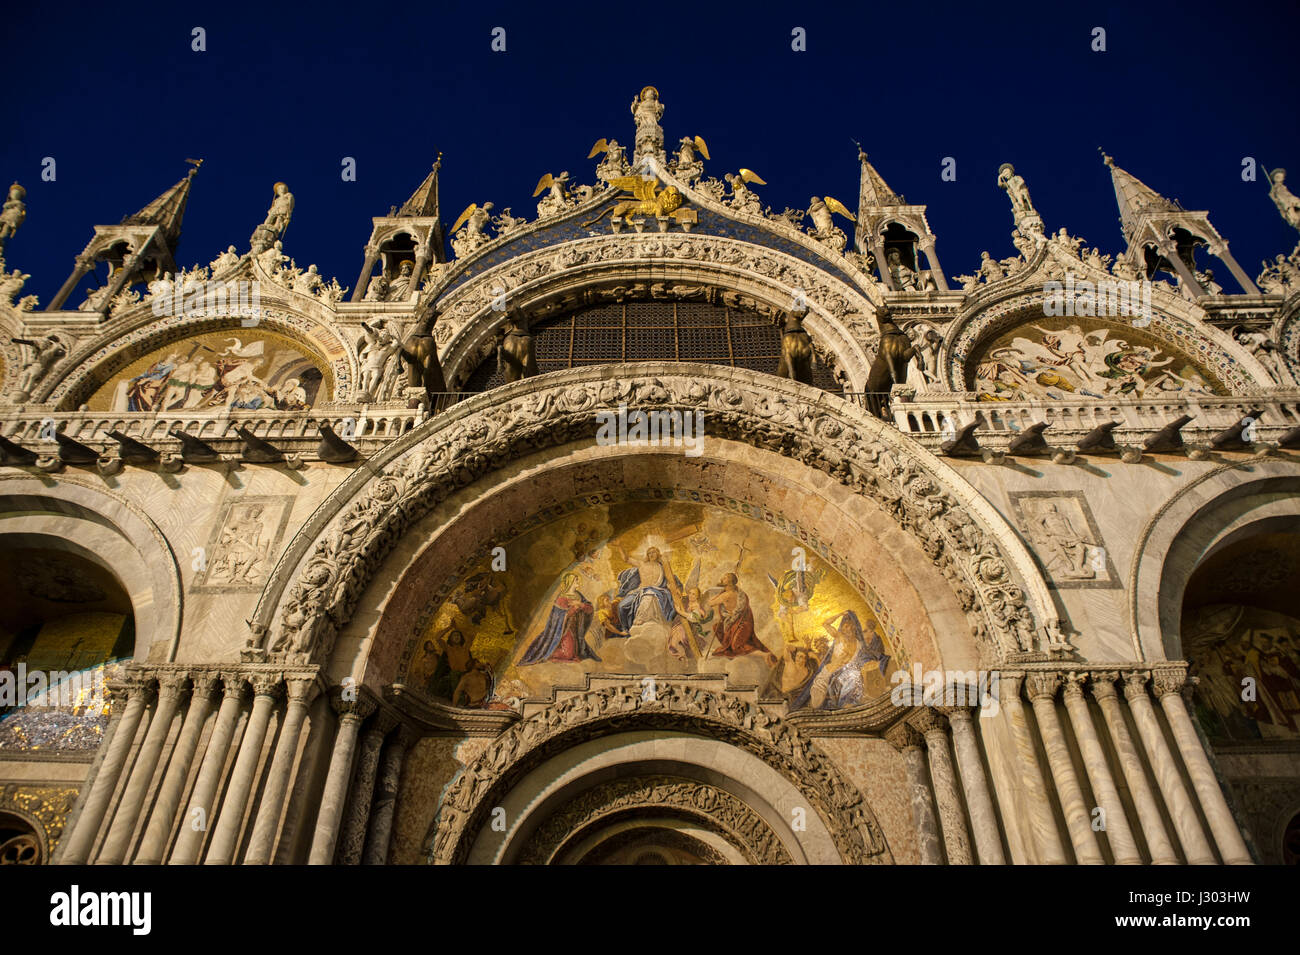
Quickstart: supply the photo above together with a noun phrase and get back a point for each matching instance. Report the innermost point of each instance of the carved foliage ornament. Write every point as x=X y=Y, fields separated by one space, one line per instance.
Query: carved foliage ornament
x=469 y=800
x=465 y=445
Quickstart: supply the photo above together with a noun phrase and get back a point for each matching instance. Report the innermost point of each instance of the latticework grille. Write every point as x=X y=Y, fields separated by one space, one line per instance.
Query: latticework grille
x=654 y=331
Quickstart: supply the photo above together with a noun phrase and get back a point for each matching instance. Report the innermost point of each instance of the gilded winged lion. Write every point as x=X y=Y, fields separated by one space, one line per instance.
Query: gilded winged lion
x=648 y=201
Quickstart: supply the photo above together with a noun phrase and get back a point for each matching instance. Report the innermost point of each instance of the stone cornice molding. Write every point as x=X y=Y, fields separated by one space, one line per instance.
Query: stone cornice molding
x=993 y=576
x=527 y=744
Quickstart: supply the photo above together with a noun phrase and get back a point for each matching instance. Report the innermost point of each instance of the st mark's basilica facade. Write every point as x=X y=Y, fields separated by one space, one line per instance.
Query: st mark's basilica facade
x=655 y=527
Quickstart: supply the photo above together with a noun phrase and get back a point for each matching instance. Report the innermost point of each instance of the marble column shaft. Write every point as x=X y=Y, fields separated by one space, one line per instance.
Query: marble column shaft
x=328 y=818
x=356 y=819
x=952 y=818
x=1078 y=820
x=1042 y=823
x=983 y=817
x=243 y=777
x=1227 y=835
x=1195 y=846
x=82 y=838
x=1122 y=844
x=189 y=842
x=907 y=740
x=267 y=825
x=178 y=770
x=171 y=687
x=1144 y=800
x=384 y=806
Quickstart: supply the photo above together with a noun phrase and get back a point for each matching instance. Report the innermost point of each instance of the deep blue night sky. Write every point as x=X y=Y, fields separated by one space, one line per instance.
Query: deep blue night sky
x=114 y=93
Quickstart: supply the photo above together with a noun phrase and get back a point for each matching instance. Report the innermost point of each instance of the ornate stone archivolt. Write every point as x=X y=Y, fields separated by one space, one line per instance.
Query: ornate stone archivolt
x=714 y=808
x=350 y=535
x=1019 y=299
x=839 y=315
x=469 y=800
x=44 y=808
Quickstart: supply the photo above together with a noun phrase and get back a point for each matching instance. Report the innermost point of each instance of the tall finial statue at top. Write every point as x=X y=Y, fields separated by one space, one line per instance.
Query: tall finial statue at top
x=1022 y=209
x=15 y=211
x=277 y=219
x=647 y=111
x=1282 y=197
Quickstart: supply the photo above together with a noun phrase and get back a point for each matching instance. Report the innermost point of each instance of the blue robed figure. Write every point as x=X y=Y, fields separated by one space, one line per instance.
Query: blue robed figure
x=631 y=592
x=843 y=681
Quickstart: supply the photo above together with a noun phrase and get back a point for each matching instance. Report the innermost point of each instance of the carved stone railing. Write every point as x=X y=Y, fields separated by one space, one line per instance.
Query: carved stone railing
x=367 y=427
x=931 y=418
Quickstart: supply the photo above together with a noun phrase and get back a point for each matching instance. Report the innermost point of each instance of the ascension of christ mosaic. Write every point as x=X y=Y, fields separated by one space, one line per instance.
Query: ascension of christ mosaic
x=660 y=588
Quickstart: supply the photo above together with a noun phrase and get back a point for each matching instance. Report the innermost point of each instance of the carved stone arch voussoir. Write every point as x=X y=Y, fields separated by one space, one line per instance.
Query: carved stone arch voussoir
x=334 y=556
x=468 y=802
x=97 y=359
x=839 y=318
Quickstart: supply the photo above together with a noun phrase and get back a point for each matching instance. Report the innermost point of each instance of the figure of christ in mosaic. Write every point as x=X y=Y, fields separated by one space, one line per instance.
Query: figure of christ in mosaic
x=619 y=589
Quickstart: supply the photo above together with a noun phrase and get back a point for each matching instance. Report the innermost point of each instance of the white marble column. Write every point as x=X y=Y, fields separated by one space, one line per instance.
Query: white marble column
x=357 y=817
x=189 y=841
x=163 y=819
x=1122 y=844
x=1042 y=823
x=301 y=691
x=907 y=740
x=243 y=778
x=970 y=766
x=77 y=846
x=1169 y=687
x=1042 y=689
x=171 y=688
x=1195 y=846
x=384 y=807
x=1149 y=818
x=352 y=713
x=952 y=818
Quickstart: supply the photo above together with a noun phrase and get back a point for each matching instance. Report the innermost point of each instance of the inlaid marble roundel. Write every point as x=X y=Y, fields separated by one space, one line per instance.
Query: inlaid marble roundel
x=1060 y=358
x=239 y=368
x=653 y=588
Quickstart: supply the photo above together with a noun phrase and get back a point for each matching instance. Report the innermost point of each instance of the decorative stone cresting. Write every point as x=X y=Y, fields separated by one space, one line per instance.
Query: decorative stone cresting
x=961 y=533
x=469 y=800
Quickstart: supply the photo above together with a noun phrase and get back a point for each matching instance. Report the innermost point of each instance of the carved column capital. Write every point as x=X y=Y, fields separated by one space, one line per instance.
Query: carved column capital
x=929 y=722
x=1165 y=682
x=903 y=737
x=234 y=684
x=1135 y=684
x=301 y=689
x=205 y=682
x=1042 y=685
x=1009 y=685
x=383 y=723
x=351 y=704
x=1103 y=684
x=957 y=714
x=267 y=684
x=1075 y=681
